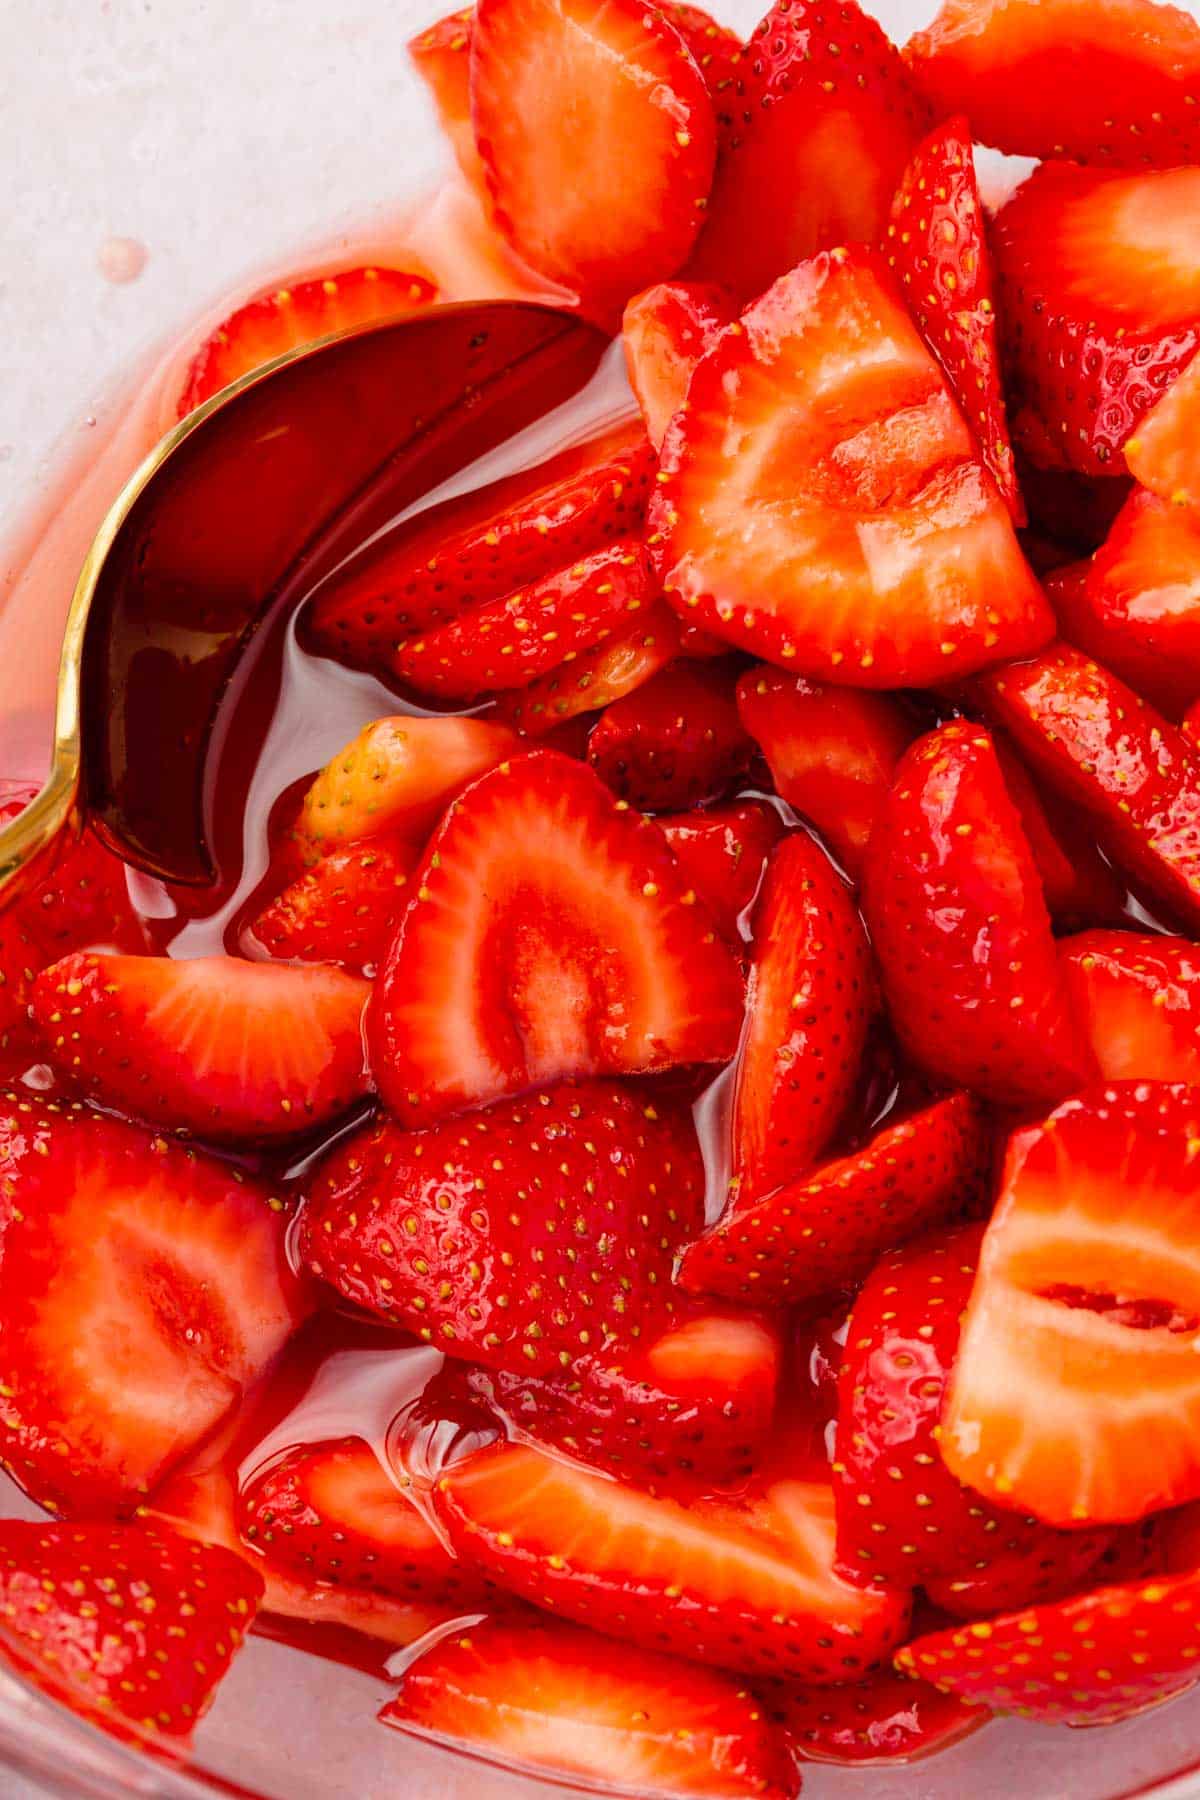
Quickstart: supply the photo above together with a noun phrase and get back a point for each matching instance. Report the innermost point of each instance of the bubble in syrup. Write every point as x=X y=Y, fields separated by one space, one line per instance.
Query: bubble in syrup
x=121 y=259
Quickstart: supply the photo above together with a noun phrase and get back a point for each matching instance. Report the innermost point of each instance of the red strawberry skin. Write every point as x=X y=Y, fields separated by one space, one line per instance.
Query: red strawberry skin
x=666 y=330
x=960 y=926
x=887 y=1718
x=82 y=900
x=723 y=853
x=597 y=679
x=676 y=742
x=135 y=1623
x=1079 y=885
x=1138 y=996
x=530 y=1236
x=343 y=910
x=718 y=53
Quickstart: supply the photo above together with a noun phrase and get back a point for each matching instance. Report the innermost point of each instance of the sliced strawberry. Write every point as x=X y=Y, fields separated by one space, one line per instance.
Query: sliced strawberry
x=81 y=901
x=811 y=996
x=1139 y=999
x=143 y=1288
x=484 y=545
x=343 y=910
x=798 y=543
x=718 y=54
x=667 y=329
x=824 y=1230
x=901 y=1514
x=397 y=777
x=1088 y=351
x=748 y=1586
x=551 y=934
x=888 y=1718
x=227 y=1049
x=723 y=854
x=21 y=956
x=1088 y=1264
x=1135 y=605
x=277 y=322
x=597 y=679
x=1079 y=886
x=525 y=1237
x=441 y=57
x=676 y=742
x=1162 y=453
x=125 y=1621
x=829 y=117
x=567 y=96
x=1067 y=1564
x=937 y=245
x=1113 y=84
x=548 y=1698
x=1110 y=754
x=960 y=927
x=832 y=752
x=510 y=642
x=697 y=1401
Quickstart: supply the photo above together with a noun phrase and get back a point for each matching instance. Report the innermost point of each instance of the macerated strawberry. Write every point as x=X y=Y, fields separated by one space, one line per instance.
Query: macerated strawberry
x=831 y=751
x=343 y=909
x=1138 y=996
x=80 y=901
x=1112 y=755
x=530 y=1235
x=1079 y=886
x=291 y=316
x=233 y=1051
x=1114 y=84
x=886 y=1718
x=597 y=679
x=1066 y=1564
x=124 y=1622
x=1076 y=512
x=551 y=1699
x=21 y=956
x=441 y=57
x=143 y=1286
x=676 y=742
x=718 y=54
x=483 y=545
x=1162 y=453
x=1135 y=605
x=937 y=245
x=667 y=329
x=746 y=1584
x=811 y=995
x=566 y=97
x=799 y=543
x=723 y=853
x=960 y=927
x=827 y=118
x=551 y=933
x=823 y=1230
x=1087 y=350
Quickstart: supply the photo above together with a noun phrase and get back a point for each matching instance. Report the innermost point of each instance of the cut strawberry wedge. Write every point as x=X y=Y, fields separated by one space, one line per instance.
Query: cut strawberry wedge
x=233 y=1051
x=829 y=117
x=1080 y=886
x=888 y=1718
x=749 y=1586
x=441 y=57
x=343 y=910
x=1088 y=1265
x=550 y=1699
x=290 y=316
x=811 y=996
x=566 y=97
x=961 y=930
x=831 y=751
x=937 y=245
x=796 y=483
x=723 y=853
x=824 y=1230
x=719 y=54
x=534 y=1234
x=596 y=679
x=1088 y=351
x=1114 y=84
x=551 y=934
x=1162 y=455
x=676 y=742
x=1139 y=999
x=1135 y=606
x=667 y=329
x=1110 y=754
x=143 y=1287
x=1061 y=1563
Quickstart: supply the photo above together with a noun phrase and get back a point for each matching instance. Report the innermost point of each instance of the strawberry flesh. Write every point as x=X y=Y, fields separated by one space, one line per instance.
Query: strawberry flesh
x=343 y=910
x=1162 y=453
x=666 y=330
x=676 y=742
x=723 y=853
x=1139 y=999
x=441 y=57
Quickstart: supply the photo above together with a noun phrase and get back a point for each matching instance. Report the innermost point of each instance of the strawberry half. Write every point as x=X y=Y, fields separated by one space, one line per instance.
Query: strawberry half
x=723 y=853
x=823 y=1231
x=1110 y=754
x=343 y=910
x=798 y=544
x=1139 y=999
x=550 y=934
x=277 y=322
x=676 y=742
x=550 y=1699
x=1114 y=84
x=828 y=117
x=1162 y=453
x=937 y=245
x=234 y=1051
x=811 y=996
x=596 y=679
x=888 y=1718
x=532 y=1234
x=961 y=930
x=747 y=1585
x=136 y=1623
x=831 y=751
x=566 y=97
x=1087 y=350
x=667 y=329
x=144 y=1287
